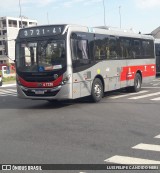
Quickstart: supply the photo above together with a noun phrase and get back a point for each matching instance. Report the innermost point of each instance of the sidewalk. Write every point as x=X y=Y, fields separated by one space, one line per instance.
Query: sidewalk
x=9 y=83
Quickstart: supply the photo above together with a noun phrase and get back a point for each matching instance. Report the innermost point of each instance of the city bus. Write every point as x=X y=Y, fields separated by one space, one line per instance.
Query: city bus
x=58 y=62
x=157 y=51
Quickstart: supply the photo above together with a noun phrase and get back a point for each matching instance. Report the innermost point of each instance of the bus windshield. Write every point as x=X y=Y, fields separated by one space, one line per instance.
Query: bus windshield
x=40 y=56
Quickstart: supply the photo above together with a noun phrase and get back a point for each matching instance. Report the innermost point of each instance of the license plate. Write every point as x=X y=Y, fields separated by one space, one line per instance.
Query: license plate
x=39 y=92
x=48 y=84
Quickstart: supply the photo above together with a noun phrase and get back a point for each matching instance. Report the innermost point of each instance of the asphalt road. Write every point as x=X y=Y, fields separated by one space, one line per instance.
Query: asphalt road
x=80 y=132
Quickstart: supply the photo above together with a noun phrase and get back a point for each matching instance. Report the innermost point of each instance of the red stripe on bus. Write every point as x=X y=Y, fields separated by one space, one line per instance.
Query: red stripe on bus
x=51 y=84
x=128 y=72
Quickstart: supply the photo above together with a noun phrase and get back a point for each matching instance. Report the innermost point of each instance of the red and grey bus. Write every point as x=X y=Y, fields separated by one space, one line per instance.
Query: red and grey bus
x=57 y=62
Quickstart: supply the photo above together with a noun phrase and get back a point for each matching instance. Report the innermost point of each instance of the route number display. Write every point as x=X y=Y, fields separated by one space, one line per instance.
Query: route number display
x=40 y=31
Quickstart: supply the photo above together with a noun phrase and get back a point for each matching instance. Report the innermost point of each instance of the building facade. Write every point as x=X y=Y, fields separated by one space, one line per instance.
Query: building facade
x=9 y=27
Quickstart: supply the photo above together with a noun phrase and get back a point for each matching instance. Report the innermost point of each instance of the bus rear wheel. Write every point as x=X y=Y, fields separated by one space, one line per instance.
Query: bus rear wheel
x=97 y=90
x=137 y=83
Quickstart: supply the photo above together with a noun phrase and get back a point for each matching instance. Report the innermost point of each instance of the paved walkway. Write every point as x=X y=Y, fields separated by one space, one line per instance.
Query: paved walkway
x=8 y=84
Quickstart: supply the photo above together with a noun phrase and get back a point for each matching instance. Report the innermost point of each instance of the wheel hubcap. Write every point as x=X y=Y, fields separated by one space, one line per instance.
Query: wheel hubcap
x=138 y=83
x=97 y=90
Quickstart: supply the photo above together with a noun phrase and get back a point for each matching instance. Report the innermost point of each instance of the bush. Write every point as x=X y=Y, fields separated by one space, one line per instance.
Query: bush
x=7 y=79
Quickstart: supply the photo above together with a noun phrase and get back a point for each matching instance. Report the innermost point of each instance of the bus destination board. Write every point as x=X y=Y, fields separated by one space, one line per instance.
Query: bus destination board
x=41 y=31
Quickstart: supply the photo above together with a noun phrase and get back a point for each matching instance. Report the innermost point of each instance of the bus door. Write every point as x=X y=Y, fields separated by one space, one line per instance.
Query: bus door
x=114 y=65
x=126 y=52
x=80 y=63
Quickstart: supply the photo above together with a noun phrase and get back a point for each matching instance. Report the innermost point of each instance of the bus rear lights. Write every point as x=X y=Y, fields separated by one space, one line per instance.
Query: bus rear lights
x=65 y=79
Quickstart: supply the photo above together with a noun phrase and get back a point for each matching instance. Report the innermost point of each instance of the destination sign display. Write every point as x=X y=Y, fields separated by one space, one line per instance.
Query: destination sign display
x=41 y=31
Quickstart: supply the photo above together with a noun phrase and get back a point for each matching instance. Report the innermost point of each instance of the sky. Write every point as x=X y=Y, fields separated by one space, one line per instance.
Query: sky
x=138 y=15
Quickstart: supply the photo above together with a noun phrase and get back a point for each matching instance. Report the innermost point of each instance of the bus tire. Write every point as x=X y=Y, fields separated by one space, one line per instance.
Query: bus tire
x=97 y=90
x=137 y=83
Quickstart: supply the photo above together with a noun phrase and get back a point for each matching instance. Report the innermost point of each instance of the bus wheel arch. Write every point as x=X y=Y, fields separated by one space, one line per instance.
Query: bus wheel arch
x=97 y=89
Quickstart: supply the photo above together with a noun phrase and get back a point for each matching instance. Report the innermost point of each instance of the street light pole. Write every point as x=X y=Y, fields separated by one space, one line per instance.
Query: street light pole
x=20 y=13
x=104 y=13
x=47 y=18
x=120 y=16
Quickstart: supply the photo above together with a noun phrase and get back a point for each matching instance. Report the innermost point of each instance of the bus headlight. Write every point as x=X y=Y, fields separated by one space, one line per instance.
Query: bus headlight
x=65 y=79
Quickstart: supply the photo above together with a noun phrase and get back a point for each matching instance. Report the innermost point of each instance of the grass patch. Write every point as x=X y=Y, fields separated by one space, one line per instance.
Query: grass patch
x=7 y=79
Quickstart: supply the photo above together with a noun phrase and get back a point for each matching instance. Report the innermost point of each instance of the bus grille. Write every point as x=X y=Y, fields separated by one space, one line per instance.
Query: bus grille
x=46 y=94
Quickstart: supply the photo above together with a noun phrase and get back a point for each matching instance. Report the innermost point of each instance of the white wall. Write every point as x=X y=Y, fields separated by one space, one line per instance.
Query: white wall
x=12 y=33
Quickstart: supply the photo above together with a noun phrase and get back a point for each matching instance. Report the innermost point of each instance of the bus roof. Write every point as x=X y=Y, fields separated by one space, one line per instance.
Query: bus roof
x=95 y=30
x=157 y=41
x=110 y=31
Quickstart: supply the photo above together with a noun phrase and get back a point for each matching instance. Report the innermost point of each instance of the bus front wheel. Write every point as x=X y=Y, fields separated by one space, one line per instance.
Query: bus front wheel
x=97 y=90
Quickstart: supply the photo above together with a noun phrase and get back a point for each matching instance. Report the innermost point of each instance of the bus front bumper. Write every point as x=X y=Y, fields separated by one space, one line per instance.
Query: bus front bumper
x=60 y=92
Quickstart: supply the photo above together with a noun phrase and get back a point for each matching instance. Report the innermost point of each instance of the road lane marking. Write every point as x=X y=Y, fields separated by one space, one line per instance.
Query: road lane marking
x=156 y=84
x=8 y=94
x=149 y=147
x=5 y=92
x=2 y=95
x=8 y=85
x=8 y=91
x=130 y=94
x=130 y=160
x=158 y=136
x=146 y=95
x=14 y=90
x=157 y=79
x=151 y=87
x=156 y=99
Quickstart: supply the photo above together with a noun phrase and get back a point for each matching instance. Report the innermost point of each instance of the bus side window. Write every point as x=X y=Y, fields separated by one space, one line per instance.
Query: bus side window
x=83 y=49
x=137 y=48
x=125 y=48
x=109 y=48
x=113 y=48
x=97 y=52
x=79 y=49
x=101 y=48
x=74 y=49
x=147 y=47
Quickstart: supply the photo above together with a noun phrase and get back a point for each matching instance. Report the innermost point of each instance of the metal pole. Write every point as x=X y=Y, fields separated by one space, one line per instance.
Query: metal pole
x=20 y=13
x=104 y=13
x=120 y=16
x=47 y=18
